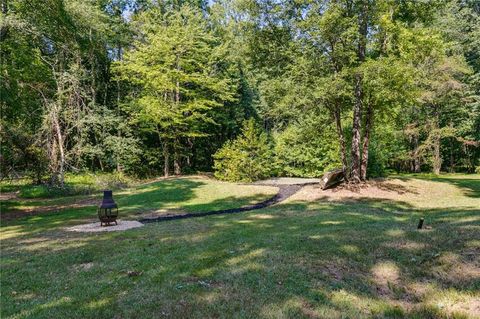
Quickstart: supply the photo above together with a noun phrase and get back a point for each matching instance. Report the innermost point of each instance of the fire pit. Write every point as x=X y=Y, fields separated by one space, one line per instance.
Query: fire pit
x=108 y=210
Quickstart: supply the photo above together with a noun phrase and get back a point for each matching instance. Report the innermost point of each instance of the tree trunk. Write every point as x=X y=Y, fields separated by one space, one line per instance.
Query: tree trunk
x=341 y=140
x=190 y=155
x=176 y=158
x=366 y=141
x=355 y=174
x=4 y=27
x=356 y=138
x=60 y=170
x=166 y=153
x=416 y=157
x=452 y=157
x=177 y=82
x=176 y=164
x=166 y=160
x=176 y=154
x=119 y=53
x=437 y=158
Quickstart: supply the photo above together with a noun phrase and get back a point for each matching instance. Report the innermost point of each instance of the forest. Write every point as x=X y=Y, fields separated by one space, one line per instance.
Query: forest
x=246 y=89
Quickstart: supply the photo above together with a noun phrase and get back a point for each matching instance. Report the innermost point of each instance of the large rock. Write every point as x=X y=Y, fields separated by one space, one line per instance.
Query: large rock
x=331 y=178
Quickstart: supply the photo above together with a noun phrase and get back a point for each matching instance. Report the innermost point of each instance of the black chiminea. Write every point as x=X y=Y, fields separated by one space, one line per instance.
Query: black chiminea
x=108 y=210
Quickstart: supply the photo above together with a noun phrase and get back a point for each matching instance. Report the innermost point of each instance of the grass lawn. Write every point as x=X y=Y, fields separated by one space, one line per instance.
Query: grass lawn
x=165 y=196
x=317 y=255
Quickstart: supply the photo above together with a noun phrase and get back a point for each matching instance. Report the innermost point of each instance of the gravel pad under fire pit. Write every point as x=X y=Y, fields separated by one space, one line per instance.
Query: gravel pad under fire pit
x=95 y=227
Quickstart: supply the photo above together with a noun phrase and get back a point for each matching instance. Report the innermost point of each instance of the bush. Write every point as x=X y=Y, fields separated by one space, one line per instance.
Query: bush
x=247 y=158
x=307 y=150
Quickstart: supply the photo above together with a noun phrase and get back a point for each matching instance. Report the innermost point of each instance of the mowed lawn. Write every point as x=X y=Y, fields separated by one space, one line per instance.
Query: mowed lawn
x=318 y=255
x=166 y=196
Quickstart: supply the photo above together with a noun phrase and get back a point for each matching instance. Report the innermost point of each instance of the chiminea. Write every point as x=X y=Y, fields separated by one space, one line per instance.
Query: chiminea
x=108 y=210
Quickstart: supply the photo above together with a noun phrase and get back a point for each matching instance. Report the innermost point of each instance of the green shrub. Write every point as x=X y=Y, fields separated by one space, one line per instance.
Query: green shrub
x=247 y=158
x=306 y=150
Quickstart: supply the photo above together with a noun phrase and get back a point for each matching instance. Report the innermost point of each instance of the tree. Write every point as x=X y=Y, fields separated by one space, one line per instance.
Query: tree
x=175 y=64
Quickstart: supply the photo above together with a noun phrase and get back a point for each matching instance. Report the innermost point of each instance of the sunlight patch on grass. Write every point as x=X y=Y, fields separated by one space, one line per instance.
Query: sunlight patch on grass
x=332 y=222
x=56 y=303
x=473 y=243
x=98 y=303
x=385 y=273
x=246 y=221
x=451 y=267
x=407 y=245
x=245 y=258
x=11 y=232
x=262 y=216
x=456 y=304
x=395 y=232
x=209 y=297
x=350 y=249
x=54 y=245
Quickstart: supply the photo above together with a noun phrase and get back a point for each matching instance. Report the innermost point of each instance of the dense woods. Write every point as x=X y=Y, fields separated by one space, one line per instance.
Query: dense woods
x=248 y=88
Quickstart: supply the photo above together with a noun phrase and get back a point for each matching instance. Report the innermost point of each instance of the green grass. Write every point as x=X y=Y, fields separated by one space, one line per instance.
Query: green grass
x=300 y=259
x=75 y=184
x=166 y=196
x=191 y=195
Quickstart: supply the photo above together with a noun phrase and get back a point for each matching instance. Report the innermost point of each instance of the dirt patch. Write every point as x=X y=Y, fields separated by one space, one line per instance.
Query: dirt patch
x=470 y=307
x=8 y=196
x=382 y=189
x=453 y=268
x=415 y=192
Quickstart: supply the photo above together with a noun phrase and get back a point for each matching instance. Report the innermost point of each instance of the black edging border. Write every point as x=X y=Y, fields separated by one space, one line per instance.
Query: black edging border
x=284 y=192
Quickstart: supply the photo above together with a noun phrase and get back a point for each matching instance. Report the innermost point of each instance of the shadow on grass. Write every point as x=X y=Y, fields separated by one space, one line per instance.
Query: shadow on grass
x=158 y=195
x=151 y=196
x=154 y=200
x=358 y=259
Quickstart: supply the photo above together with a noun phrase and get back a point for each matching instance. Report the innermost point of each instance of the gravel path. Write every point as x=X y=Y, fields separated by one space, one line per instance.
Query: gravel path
x=287 y=187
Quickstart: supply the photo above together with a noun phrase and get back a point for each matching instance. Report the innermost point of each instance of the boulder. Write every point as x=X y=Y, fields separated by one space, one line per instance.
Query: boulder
x=331 y=178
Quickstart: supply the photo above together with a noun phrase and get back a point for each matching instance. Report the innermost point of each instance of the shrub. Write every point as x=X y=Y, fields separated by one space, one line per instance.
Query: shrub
x=247 y=158
x=306 y=150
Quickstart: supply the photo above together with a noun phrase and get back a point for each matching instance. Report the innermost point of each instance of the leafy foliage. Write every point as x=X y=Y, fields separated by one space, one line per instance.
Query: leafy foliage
x=149 y=87
x=306 y=150
x=247 y=158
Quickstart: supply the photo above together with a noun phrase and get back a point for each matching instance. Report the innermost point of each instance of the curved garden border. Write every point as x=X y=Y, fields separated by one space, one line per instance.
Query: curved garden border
x=284 y=192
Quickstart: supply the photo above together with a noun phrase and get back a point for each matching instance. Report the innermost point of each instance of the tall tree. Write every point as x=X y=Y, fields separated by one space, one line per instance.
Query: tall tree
x=176 y=65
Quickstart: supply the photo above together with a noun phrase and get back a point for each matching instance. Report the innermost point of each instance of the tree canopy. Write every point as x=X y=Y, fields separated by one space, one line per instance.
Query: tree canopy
x=249 y=88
